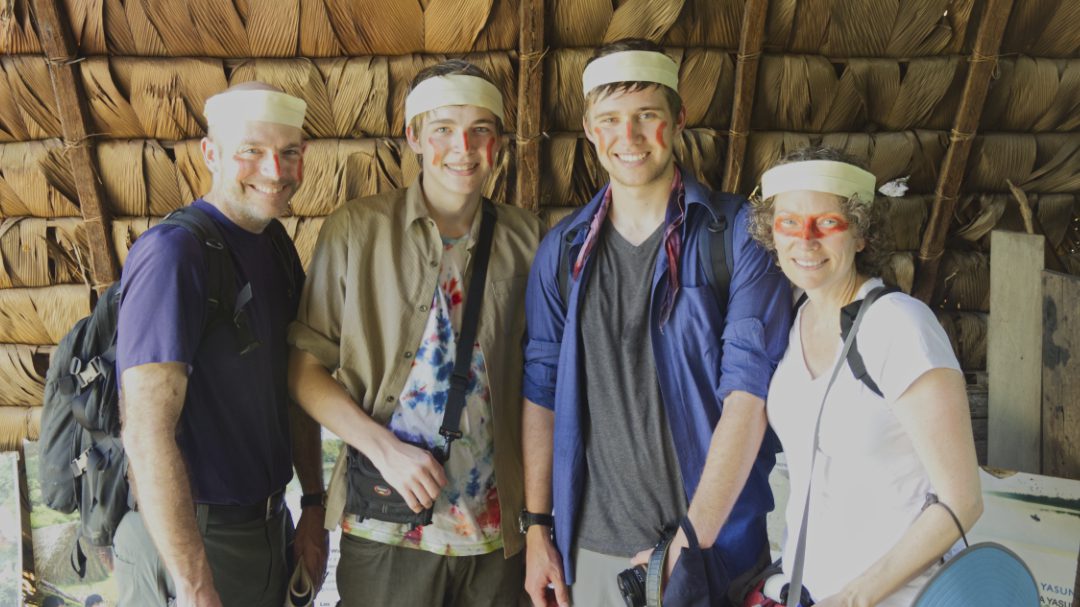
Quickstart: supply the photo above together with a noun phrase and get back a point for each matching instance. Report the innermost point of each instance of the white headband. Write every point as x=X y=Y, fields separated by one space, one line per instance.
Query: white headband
x=827 y=176
x=456 y=89
x=234 y=107
x=631 y=66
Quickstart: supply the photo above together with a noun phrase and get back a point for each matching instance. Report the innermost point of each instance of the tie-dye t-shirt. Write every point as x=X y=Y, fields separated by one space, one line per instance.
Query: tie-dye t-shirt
x=466 y=520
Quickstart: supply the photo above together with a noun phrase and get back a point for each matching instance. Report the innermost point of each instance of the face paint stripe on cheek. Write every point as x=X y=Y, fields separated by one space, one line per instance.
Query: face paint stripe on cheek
x=437 y=156
x=660 y=135
x=809 y=227
x=601 y=142
x=490 y=152
x=277 y=164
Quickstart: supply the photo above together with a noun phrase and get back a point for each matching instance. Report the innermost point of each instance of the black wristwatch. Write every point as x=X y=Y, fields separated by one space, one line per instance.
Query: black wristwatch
x=527 y=519
x=313 y=499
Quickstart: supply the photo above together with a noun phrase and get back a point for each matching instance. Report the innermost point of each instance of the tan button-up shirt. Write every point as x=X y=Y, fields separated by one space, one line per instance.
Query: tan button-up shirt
x=366 y=302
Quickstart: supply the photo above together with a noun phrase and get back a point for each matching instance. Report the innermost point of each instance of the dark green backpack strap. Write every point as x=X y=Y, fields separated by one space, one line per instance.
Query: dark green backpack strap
x=717 y=246
x=285 y=252
x=225 y=301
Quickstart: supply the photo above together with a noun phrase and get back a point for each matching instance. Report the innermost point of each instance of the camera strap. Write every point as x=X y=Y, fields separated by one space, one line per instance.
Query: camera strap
x=795 y=588
x=474 y=298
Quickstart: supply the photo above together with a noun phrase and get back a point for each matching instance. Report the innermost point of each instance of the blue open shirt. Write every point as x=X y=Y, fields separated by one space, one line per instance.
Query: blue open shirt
x=700 y=358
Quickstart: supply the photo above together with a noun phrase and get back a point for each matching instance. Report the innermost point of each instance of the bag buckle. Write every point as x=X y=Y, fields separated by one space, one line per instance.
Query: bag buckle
x=85 y=376
x=78 y=465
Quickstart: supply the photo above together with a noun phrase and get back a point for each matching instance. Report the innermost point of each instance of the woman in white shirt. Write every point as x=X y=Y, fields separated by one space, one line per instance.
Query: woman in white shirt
x=869 y=539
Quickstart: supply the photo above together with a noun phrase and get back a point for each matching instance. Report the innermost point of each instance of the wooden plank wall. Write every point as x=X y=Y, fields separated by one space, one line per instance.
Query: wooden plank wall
x=1061 y=375
x=1013 y=357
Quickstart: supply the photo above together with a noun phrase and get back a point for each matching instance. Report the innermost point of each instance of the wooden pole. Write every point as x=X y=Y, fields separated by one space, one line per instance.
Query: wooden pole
x=530 y=100
x=746 y=70
x=983 y=61
x=59 y=47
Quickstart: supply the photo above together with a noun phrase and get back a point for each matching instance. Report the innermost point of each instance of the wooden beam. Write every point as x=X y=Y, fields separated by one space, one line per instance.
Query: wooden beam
x=530 y=103
x=59 y=47
x=983 y=61
x=1014 y=351
x=746 y=70
x=1060 y=375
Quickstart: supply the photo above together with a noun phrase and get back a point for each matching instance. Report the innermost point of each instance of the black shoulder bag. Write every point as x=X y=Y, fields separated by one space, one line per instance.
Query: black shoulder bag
x=369 y=495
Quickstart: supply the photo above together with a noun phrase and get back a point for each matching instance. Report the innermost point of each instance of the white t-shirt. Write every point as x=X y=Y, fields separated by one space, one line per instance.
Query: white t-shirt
x=869 y=484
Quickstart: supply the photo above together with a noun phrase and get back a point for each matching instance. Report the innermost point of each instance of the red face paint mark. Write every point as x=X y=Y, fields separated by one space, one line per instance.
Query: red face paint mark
x=601 y=142
x=437 y=156
x=810 y=226
x=629 y=131
x=277 y=164
x=465 y=140
x=490 y=152
x=660 y=135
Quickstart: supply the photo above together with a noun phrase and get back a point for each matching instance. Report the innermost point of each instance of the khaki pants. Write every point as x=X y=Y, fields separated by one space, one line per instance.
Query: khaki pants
x=372 y=573
x=595 y=576
x=247 y=561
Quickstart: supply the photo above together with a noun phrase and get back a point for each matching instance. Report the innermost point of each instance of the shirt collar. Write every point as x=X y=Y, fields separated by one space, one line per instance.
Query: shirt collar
x=416 y=209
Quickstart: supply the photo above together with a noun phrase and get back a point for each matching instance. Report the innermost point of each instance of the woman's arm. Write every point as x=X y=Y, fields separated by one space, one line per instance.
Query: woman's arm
x=934 y=413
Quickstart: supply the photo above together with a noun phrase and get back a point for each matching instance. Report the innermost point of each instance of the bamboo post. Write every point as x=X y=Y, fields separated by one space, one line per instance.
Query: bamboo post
x=59 y=47
x=983 y=61
x=751 y=39
x=530 y=98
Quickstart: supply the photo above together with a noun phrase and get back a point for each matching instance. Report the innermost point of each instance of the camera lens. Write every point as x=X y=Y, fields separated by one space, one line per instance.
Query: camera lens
x=632 y=586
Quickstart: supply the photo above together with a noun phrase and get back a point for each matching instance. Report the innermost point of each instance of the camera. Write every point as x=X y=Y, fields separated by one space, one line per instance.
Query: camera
x=640 y=585
x=632 y=586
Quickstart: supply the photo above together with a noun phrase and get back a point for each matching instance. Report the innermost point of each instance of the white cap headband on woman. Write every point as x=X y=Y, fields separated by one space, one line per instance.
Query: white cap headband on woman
x=456 y=89
x=237 y=107
x=829 y=176
x=631 y=66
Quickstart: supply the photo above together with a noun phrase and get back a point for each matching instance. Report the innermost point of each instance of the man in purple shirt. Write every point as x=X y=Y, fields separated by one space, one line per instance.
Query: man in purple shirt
x=207 y=423
x=644 y=393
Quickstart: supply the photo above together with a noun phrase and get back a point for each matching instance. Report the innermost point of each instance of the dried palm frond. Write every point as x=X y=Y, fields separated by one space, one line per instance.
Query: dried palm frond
x=110 y=111
x=37 y=252
x=453 y=25
x=29 y=110
x=358 y=91
x=22 y=375
x=35 y=180
x=1040 y=163
x=317 y=36
x=377 y=28
x=126 y=230
x=502 y=31
x=191 y=167
x=120 y=165
x=18 y=424
x=41 y=316
x=168 y=95
x=900 y=270
x=963 y=282
x=171 y=22
x=304 y=232
x=1054 y=212
x=578 y=22
x=273 y=26
x=701 y=151
x=976 y=216
x=549 y=216
x=1043 y=28
x=648 y=19
x=87 y=25
x=708 y=23
x=906 y=219
x=1033 y=94
x=17 y=33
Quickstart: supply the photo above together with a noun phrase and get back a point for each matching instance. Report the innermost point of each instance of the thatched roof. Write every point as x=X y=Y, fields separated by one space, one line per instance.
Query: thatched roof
x=885 y=80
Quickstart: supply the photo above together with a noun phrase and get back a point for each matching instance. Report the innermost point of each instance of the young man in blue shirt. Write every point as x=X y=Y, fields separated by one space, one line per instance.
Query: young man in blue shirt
x=644 y=393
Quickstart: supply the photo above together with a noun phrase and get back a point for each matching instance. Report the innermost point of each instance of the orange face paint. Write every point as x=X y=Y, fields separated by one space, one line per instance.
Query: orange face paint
x=810 y=226
x=601 y=143
x=629 y=131
x=465 y=140
x=660 y=135
x=277 y=164
x=437 y=157
x=490 y=151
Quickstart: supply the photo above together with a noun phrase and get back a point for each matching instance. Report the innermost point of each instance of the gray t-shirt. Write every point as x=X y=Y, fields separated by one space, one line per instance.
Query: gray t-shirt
x=634 y=488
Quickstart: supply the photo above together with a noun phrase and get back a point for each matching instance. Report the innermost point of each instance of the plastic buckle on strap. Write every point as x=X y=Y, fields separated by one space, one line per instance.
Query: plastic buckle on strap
x=450 y=435
x=78 y=465
x=85 y=376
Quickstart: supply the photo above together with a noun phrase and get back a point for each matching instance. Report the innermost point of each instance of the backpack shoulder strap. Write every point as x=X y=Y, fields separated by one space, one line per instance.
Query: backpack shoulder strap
x=854 y=358
x=225 y=301
x=717 y=237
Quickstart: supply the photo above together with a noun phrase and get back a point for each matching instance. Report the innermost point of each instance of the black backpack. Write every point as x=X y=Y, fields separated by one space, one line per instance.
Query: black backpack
x=716 y=249
x=82 y=462
x=847 y=318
